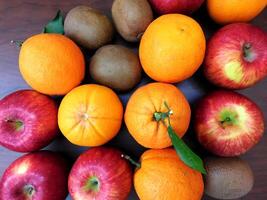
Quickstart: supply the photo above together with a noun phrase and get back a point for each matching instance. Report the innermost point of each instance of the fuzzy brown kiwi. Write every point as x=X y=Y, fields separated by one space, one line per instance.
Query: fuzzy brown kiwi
x=116 y=67
x=88 y=27
x=228 y=178
x=131 y=18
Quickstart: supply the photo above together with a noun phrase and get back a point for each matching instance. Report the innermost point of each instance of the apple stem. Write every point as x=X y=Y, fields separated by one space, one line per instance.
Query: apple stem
x=246 y=49
x=92 y=184
x=18 y=43
x=248 y=55
x=137 y=164
x=228 y=118
x=29 y=190
x=17 y=124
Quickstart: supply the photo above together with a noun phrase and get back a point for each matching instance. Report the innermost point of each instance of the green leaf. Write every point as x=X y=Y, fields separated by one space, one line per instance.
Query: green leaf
x=56 y=25
x=185 y=153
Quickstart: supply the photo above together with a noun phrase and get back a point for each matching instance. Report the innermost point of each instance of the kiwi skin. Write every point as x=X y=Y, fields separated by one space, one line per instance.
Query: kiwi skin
x=131 y=18
x=228 y=178
x=116 y=66
x=88 y=27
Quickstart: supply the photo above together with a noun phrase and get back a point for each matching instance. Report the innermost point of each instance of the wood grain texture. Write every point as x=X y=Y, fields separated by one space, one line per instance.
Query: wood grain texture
x=20 y=19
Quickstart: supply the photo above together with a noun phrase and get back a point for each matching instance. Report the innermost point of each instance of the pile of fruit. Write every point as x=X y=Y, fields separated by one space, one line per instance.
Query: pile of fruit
x=172 y=48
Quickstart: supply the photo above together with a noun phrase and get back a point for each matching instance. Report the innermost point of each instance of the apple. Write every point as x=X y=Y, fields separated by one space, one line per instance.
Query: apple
x=100 y=173
x=236 y=56
x=28 y=121
x=175 y=6
x=228 y=123
x=40 y=175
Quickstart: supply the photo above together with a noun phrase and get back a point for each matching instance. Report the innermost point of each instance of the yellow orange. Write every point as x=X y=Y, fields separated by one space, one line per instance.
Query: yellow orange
x=90 y=115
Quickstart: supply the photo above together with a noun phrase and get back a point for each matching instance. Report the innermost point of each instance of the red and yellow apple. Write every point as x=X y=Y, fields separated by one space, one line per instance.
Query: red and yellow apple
x=100 y=173
x=40 y=176
x=236 y=56
x=175 y=6
x=228 y=123
x=28 y=121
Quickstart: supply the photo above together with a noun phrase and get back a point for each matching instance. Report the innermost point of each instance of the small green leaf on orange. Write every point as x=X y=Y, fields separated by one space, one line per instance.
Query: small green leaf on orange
x=56 y=25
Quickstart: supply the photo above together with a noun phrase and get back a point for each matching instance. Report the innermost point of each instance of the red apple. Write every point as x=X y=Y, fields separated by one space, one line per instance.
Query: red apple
x=100 y=174
x=176 y=6
x=28 y=121
x=236 y=56
x=40 y=176
x=228 y=123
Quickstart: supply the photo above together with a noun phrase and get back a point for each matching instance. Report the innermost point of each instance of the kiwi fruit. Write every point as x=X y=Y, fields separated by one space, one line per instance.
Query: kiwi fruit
x=131 y=18
x=228 y=178
x=116 y=66
x=88 y=27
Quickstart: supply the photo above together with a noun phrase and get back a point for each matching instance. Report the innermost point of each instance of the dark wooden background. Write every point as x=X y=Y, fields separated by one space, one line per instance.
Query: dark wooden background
x=20 y=19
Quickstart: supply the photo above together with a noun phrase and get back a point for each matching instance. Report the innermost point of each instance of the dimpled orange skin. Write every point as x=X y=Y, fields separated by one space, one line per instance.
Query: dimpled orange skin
x=51 y=63
x=231 y=11
x=163 y=176
x=142 y=105
x=90 y=115
x=172 y=48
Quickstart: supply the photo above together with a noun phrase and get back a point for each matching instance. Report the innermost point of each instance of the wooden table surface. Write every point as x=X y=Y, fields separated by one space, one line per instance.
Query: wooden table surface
x=20 y=19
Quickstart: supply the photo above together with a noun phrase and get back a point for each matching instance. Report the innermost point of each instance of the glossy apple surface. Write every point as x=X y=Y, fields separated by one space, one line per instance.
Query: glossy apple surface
x=175 y=6
x=236 y=56
x=100 y=174
x=40 y=175
x=228 y=123
x=28 y=121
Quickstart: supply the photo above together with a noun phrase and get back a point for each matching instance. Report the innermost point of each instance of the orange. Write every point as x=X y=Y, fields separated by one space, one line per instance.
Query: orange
x=230 y=11
x=51 y=63
x=90 y=115
x=148 y=100
x=163 y=176
x=172 y=48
